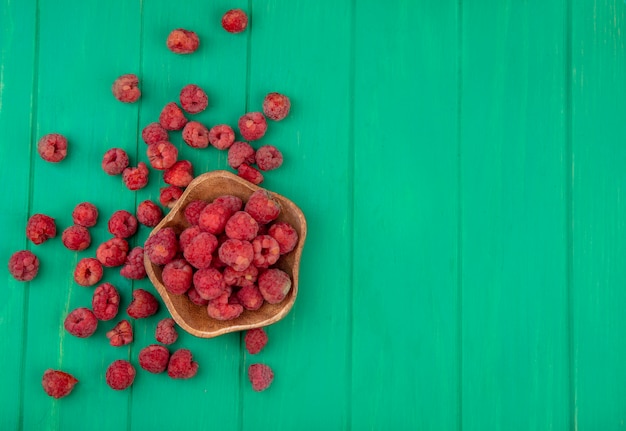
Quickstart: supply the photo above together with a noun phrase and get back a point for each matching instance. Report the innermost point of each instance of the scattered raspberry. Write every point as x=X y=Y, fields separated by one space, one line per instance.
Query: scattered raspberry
x=268 y=158
x=23 y=265
x=195 y=297
x=240 y=152
x=182 y=365
x=209 y=283
x=115 y=161
x=81 y=322
x=136 y=178
x=112 y=252
x=274 y=285
x=249 y=173
x=121 y=334
x=220 y=309
x=168 y=196
x=255 y=339
x=153 y=133
x=199 y=251
x=250 y=297
x=193 y=210
x=235 y=21
x=143 y=305
x=196 y=135
x=40 y=227
x=266 y=251
x=85 y=214
x=177 y=276
x=193 y=99
x=241 y=225
x=105 y=302
x=162 y=246
x=88 y=271
x=252 y=126
x=172 y=117
x=134 y=268
x=276 y=106
x=221 y=136
x=52 y=147
x=166 y=331
x=120 y=374
x=261 y=376
x=263 y=207
x=76 y=238
x=180 y=174
x=236 y=253
x=58 y=384
x=154 y=358
x=285 y=235
x=162 y=155
x=243 y=278
x=125 y=88
x=122 y=224
x=181 y=41
x=187 y=235
x=149 y=214
x=213 y=218
x=230 y=202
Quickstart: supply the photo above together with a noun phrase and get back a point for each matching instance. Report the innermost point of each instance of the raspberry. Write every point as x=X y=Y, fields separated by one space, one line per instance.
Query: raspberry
x=182 y=365
x=76 y=238
x=120 y=374
x=177 y=276
x=196 y=135
x=252 y=126
x=268 y=158
x=136 y=178
x=195 y=297
x=266 y=251
x=276 y=106
x=39 y=228
x=213 y=218
x=143 y=305
x=220 y=309
x=52 y=147
x=88 y=271
x=274 y=285
x=240 y=152
x=162 y=246
x=255 y=340
x=121 y=334
x=179 y=174
x=85 y=214
x=112 y=252
x=181 y=41
x=249 y=173
x=243 y=278
x=261 y=376
x=81 y=322
x=235 y=21
x=241 y=225
x=285 y=235
x=250 y=297
x=105 y=302
x=169 y=195
x=262 y=207
x=209 y=283
x=154 y=358
x=122 y=224
x=162 y=155
x=58 y=384
x=166 y=331
x=193 y=210
x=115 y=161
x=172 y=117
x=149 y=214
x=125 y=88
x=230 y=202
x=187 y=236
x=153 y=133
x=23 y=265
x=134 y=268
x=199 y=251
x=193 y=99
x=236 y=253
x=221 y=136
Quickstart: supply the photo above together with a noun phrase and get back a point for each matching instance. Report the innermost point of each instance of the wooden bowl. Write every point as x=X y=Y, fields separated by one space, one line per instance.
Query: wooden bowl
x=194 y=318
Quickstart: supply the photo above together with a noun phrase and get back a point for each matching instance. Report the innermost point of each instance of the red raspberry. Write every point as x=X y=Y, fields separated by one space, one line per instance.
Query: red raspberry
x=236 y=253
x=122 y=224
x=221 y=136
x=182 y=365
x=172 y=117
x=220 y=309
x=268 y=158
x=180 y=174
x=213 y=218
x=115 y=161
x=276 y=106
x=261 y=376
x=81 y=322
x=136 y=178
x=23 y=265
x=88 y=271
x=134 y=268
x=274 y=285
x=162 y=246
x=266 y=251
x=235 y=21
x=230 y=202
x=120 y=374
x=76 y=238
x=181 y=41
x=285 y=235
x=252 y=126
x=195 y=297
x=121 y=334
x=85 y=214
x=52 y=147
x=112 y=252
x=105 y=302
x=240 y=152
x=209 y=283
x=243 y=278
x=241 y=225
x=196 y=135
x=162 y=155
x=125 y=88
x=168 y=196
x=166 y=331
x=39 y=228
x=154 y=358
x=149 y=214
x=177 y=276
x=262 y=207
x=255 y=339
x=249 y=173
x=153 y=133
x=250 y=297
x=143 y=305
x=193 y=99
x=58 y=384
x=187 y=236
x=199 y=251
x=193 y=210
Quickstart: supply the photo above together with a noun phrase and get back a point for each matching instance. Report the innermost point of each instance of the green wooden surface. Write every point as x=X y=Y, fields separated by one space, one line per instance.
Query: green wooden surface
x=460 y=164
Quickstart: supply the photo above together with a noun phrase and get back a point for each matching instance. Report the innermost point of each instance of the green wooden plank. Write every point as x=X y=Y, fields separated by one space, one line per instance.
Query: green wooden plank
x=598 y=205
x=405 y=307
x=513 y=164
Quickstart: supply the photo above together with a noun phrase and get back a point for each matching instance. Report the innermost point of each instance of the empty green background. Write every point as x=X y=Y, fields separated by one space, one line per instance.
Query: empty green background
x=461 y=166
